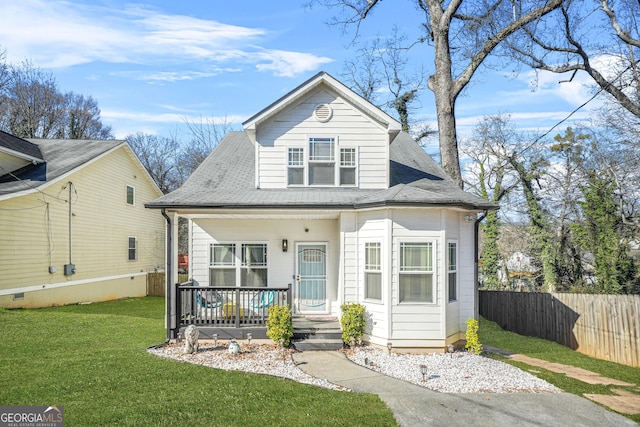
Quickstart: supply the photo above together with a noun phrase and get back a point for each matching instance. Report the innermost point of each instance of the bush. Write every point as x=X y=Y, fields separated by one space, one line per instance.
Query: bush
x=473 y=342
x=280 y=324
x=352 y=322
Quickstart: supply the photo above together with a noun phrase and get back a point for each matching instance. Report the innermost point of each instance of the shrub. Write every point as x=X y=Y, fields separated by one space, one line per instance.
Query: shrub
x=280 y=324
x=473 y=342
x=352 y=322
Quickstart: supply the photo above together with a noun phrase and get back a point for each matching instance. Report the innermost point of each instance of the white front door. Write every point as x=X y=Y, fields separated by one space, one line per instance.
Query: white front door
x=311 y=278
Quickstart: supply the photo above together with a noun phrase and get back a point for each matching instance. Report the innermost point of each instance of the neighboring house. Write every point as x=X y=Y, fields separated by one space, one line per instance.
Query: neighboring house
x=323 y=191
x=98 y=247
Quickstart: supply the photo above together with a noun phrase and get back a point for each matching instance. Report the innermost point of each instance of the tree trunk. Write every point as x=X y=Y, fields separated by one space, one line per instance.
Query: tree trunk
x=441 y=83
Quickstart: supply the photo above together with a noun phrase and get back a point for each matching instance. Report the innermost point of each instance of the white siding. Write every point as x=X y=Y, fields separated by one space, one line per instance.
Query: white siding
x=373 y=227
x=419 y=320
x=281 y=265
x=350 y=126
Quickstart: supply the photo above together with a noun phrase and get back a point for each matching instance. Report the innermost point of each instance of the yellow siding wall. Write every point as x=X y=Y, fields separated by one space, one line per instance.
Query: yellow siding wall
x=34 y=234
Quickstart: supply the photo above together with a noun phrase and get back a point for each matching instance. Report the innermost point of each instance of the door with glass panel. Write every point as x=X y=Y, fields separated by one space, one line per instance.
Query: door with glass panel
x=311 y=278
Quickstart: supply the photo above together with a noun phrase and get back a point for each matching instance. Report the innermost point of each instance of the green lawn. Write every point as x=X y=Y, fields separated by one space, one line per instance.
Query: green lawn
x=491 y=334
x=92 y=360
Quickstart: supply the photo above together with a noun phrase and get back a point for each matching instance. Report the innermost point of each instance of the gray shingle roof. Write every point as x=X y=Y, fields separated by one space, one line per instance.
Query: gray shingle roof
x=226 y=179
x=19 y=145
x=60 y=157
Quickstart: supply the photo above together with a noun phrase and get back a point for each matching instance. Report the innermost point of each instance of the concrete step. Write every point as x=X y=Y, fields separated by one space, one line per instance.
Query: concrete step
x=317 y=333
x=318 y=344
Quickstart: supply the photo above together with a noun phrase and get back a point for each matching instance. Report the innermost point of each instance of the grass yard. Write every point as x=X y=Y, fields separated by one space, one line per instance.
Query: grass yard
x=92 y=360
x=491 y=334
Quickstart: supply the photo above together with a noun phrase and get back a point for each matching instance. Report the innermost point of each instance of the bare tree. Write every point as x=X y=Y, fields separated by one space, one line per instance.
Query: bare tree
x=463 y=35
x=32 y=106
x=32 y=103
x=379 y=74
x=205 y=135
x=82 y=119
x=569 y=45
x=158 y=154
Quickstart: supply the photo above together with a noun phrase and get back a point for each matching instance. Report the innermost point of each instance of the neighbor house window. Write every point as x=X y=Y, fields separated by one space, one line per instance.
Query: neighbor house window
x=322 y=161
x=254 y=265
x=347 y=166
x=295 y=166
x=133 y=248
x=416 y=272
x=223 y=264
x=452 y=270
x=131 y=195
x=372 y=271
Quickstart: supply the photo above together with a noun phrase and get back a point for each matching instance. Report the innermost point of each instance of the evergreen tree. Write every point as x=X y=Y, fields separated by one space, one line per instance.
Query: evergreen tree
x=598 y=233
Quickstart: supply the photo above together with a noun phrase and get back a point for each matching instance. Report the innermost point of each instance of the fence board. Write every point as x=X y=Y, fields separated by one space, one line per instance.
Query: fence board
x=156 y=285
x=602 y=326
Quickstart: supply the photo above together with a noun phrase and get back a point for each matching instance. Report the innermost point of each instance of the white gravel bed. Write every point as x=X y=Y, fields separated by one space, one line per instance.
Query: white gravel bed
x=459 y=372
x=255 y=358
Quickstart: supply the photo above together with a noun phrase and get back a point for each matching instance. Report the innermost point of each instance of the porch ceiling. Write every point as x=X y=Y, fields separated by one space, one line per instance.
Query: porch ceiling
x=288 y=214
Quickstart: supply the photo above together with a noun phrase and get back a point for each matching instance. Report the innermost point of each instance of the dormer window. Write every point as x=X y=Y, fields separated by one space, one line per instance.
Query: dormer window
x=325 y=165
x=295 y=166
x=322 y=161
x=348 y=166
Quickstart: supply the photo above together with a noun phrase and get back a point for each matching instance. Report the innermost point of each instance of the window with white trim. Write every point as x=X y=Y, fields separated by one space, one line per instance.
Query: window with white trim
x=322 y=161
x=295 y=166
x=452 y=270
x=222 y=263
x=133 y=248
x=372 y=271
x=231 y=267
x=254 y=265
x=131 y=195
x=416 y=272
x=348 y=166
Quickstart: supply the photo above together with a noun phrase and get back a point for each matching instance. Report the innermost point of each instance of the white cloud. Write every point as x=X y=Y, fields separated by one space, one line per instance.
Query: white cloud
x=58 y=34
x=289 y=64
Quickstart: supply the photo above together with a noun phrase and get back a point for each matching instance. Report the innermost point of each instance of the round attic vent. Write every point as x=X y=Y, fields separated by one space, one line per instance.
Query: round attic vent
x=323 y=112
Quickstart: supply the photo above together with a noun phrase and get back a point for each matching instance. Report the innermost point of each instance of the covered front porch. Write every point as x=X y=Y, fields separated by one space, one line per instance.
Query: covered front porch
x=227 y=312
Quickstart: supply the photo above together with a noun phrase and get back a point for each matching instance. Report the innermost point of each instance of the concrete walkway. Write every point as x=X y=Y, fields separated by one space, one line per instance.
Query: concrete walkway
x=413 y=405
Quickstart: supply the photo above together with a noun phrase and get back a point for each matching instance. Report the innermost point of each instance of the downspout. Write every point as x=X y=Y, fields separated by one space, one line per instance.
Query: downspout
x=169 y=298
x=476 y=251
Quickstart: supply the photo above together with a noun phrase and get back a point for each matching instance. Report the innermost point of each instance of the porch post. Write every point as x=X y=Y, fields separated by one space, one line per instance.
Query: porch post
x=171 y=273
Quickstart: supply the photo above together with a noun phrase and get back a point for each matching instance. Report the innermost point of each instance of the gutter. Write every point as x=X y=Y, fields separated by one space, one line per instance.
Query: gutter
x=476 y=226
x=169 y=314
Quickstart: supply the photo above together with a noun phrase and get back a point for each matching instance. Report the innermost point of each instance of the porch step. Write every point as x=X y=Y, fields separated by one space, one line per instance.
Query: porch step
x=313 y=334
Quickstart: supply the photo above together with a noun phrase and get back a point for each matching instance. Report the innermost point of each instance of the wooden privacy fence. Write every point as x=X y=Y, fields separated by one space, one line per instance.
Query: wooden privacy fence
x=602 y=326
x=156 y=285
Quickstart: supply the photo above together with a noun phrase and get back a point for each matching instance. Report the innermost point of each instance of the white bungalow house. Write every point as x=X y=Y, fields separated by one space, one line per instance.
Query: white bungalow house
x=322 y=191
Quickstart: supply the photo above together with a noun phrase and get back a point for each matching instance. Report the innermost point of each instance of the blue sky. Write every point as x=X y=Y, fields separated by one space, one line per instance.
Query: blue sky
x=153 y=65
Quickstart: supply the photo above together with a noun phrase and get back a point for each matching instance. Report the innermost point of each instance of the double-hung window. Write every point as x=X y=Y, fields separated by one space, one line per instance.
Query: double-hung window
x=322 y=160
x=348 y=166
x=416 y=272
x=133 y=248
x=452 y=270
x=238 y=264
x=131 y=195
x=222 y=264
x=254 y=265
x=372 y=271
x=295 y=166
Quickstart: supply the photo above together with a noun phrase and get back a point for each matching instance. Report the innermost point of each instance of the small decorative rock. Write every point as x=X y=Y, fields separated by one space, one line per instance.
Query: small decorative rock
x=234 y=347
x=191 y=335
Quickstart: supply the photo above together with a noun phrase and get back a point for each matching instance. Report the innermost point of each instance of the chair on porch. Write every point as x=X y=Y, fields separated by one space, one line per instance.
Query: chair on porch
x=209 y=303
x=261 y=302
